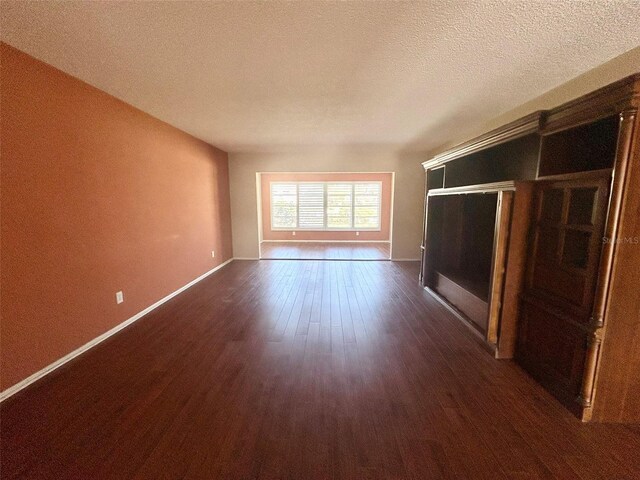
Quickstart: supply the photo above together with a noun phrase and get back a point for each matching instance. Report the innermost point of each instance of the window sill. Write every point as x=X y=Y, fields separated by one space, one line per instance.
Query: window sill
x=326 y=230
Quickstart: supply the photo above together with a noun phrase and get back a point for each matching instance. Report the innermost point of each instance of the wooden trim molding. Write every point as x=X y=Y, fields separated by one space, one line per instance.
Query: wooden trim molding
x=610 y=100
x=482 y=188
x=518 y=128
x=516 y=260
x=616 y=197
x=607 y=101
x=605 y=172
x=501 y=239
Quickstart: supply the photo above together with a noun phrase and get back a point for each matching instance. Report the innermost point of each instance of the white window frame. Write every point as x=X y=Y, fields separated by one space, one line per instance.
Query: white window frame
x=326 y=228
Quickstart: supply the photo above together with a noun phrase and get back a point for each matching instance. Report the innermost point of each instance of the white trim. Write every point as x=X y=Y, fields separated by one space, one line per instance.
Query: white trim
x=325 y=241
x=79 y=351
x=391 y=208
x=333 y=172
x=246 y=258
x=405 y=259
x=259 y=205
x=284 y=259
x=333 y=230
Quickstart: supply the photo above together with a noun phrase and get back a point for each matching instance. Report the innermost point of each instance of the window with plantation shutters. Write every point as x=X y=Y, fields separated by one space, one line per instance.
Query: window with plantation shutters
x=339 y=205
x=311 y=206
x=326 y=205
x=366 y=205
x=284 y=205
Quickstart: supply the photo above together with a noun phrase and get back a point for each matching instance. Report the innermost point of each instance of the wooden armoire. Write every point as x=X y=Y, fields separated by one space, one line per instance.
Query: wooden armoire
x=532 y=238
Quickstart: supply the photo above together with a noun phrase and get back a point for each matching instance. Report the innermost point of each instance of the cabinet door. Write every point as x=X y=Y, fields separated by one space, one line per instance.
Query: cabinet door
x=566 y=239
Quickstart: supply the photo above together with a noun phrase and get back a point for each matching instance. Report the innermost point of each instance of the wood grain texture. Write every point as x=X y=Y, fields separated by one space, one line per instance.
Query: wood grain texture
x=558 y=297
x=578 y=324
x=302 y=370
x=514 y=274
x=617 y=389
x=500 y=244
x=472 y=306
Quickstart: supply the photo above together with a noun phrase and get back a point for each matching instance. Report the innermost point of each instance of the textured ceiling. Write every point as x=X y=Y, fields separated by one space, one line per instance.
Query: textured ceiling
x=264 y=76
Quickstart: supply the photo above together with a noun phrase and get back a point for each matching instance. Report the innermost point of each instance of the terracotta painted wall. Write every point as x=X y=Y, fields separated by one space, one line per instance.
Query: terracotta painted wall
x=96 y=197
x=382 y=235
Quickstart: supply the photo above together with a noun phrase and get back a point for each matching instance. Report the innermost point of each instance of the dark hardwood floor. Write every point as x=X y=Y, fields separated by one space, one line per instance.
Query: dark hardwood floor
x=325 y=250
x=302 y=370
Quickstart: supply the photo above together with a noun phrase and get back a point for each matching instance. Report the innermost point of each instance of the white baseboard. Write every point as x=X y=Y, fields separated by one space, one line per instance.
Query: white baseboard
x=325 y=259
x=325 y=241
x=246 y=258
x=70 y=356
x=405 y=259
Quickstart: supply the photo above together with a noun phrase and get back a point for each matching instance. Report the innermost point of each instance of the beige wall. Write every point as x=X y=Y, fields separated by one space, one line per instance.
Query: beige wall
x=622 y=66
x=407 y=202
x=407 y=210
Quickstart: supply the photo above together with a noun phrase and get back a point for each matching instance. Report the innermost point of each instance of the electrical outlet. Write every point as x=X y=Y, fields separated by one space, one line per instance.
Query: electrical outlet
x=119 y=297
x=213 y=254
x=357 y=234
x=293 y=233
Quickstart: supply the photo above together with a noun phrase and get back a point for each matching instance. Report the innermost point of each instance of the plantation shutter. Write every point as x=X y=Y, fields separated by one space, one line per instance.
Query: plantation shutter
x=284 y=205
x=311 y=205
x=339 y=205
x=366 y=210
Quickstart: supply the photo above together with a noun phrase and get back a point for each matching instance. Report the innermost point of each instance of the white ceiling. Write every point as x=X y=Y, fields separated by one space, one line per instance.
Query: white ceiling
x=262 y=76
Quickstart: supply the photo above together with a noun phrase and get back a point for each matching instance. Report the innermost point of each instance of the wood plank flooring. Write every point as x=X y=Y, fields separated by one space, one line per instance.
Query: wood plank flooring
x=302 y=370
x=325 y=250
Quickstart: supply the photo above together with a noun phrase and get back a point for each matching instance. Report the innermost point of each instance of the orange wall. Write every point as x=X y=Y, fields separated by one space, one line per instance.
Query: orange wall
x=96 y=197
x=382 y=235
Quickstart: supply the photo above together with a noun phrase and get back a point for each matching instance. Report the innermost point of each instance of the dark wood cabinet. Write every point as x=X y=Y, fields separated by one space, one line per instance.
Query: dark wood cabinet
x=470 y=239
x=467 y=250
x=567 y=230
x=532 y=237
x=557 y=301
x=464 y=239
